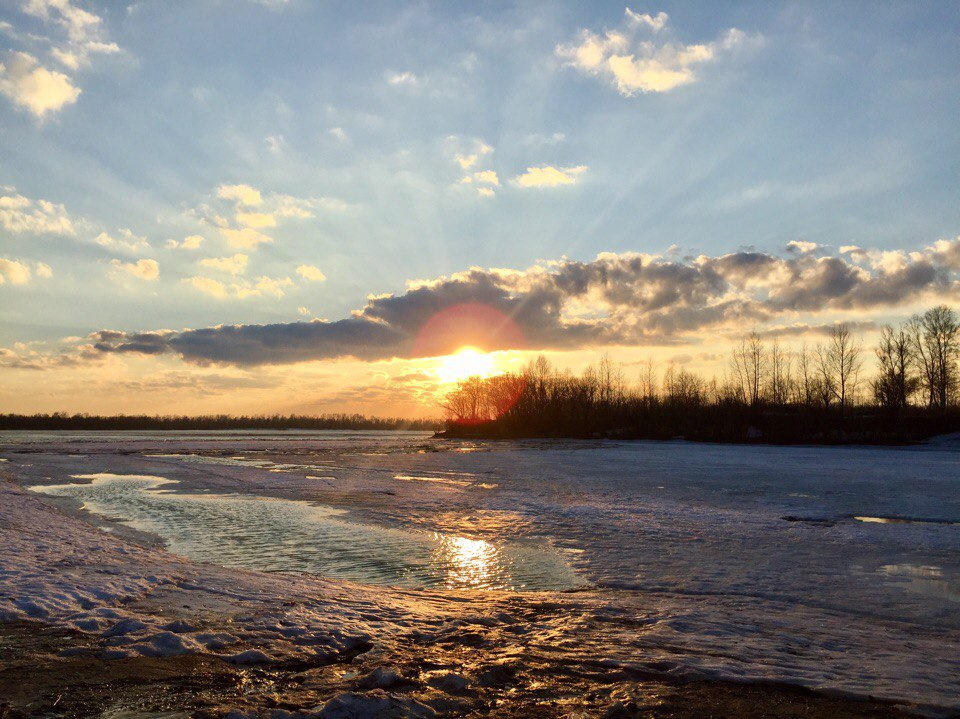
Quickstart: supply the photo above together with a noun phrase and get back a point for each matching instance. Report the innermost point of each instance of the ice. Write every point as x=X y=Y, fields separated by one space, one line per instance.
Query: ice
x=693 y=569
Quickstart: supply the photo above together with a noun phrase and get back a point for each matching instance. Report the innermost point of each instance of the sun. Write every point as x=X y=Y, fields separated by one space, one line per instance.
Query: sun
x=465 y=362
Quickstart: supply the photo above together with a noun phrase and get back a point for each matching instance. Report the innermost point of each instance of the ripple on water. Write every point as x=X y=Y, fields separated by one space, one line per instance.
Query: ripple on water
x=271 y=534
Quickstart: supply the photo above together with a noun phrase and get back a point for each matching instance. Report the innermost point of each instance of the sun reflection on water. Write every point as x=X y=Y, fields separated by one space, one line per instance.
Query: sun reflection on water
x=471 y=563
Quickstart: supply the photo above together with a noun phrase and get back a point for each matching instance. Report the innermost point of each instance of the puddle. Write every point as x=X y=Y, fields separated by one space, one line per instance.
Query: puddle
x=924 y=579
x=905 y=520
x=270 y=534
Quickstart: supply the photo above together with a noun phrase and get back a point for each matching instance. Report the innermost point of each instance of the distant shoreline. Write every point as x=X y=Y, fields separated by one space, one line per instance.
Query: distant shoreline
x=770 y=430
x=156 y=423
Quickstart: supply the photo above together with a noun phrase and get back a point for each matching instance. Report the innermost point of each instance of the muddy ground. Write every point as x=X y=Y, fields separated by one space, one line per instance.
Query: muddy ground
x=426 y=680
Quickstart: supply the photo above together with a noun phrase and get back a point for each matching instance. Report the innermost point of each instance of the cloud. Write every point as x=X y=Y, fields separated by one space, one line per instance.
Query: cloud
x=634 y=62
x=256 y=219
x=19 y=272
x=245 y=238
x=242 y=194
x=241 y=289
x=33 y=87
x=548 y=176
x=13 y=272
x=250 y=211
x=311 y=273
x=486 y=177
x=273 y=286
x=208 y=285
x=276 y=144
x=85 y=35
x=141 y=269
x=654 y=23
x=76 y=35
x=190 y=242
x=128 y=241
x=802 y=247
x=235 y=265
x=302 y=311
x=339 y=133
x=485 y=192
x=19 y=214
x=616 y=299
x=405 y=78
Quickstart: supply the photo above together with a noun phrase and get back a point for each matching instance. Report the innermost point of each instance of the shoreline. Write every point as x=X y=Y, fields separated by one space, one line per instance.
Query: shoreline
x=438 y=682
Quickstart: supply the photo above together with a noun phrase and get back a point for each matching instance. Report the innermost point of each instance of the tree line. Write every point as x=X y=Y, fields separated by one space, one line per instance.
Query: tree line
x=811 y=394
x=63 y=421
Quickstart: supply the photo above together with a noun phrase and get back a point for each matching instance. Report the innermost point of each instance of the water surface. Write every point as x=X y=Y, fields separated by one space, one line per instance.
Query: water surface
x=271 y=534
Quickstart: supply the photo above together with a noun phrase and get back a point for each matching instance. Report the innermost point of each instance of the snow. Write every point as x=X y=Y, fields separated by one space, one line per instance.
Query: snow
x=692 y=570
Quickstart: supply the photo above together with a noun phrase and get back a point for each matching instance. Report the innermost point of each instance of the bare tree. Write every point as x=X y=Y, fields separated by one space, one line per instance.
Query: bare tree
x=840 y=363
x=648 y=381
x=895 y=381
x=935 y=343
x=780 y=375
x=806 y=379
x=749 y=367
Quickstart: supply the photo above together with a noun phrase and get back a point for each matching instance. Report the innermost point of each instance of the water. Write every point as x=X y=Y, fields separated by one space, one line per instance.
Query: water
x=270 y=534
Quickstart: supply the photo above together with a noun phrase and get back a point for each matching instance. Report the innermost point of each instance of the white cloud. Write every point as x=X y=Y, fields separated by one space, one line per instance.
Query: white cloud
x=20 y=214
x=33 y=87
x=242 y=194
x=640 y=64
x=485 y=192
x=243 y=289
x=263 y=286
x=245 y=237
x=141 y=269
x=190 y=242
x=128 y=241
x=311 y=273
x=256 y=219
x=74 y=35
x=234 y=265
x=303 y=311
x=486 y=177
x=13 y=272
x=43 y=270
x=253 y=211
x=654 y=23
x=84 y=31
x=339 y=133
x=403 y=78
x=208 y=285
x=549 y=176
x=801 y=246
x=276 y=143
x=468 y=158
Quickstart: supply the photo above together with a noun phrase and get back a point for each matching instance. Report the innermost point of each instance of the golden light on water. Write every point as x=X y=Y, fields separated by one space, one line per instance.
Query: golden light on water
x=471 y=562
x=465 y=362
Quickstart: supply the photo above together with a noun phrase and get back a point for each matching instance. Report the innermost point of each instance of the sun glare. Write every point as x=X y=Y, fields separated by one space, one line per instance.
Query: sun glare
x=465 y=362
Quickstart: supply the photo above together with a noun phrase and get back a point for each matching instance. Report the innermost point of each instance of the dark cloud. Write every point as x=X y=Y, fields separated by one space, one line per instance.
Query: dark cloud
x=626 y=299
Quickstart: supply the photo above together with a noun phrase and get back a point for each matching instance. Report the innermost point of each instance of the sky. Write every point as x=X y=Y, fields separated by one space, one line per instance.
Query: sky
x=293 y=206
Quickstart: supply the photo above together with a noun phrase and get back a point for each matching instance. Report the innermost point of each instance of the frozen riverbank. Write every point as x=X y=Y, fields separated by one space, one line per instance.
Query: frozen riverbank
x=694 y=572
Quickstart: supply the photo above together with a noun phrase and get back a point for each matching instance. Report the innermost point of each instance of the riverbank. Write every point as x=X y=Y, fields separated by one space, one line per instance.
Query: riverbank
x=417 y=681
x=783 y=428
